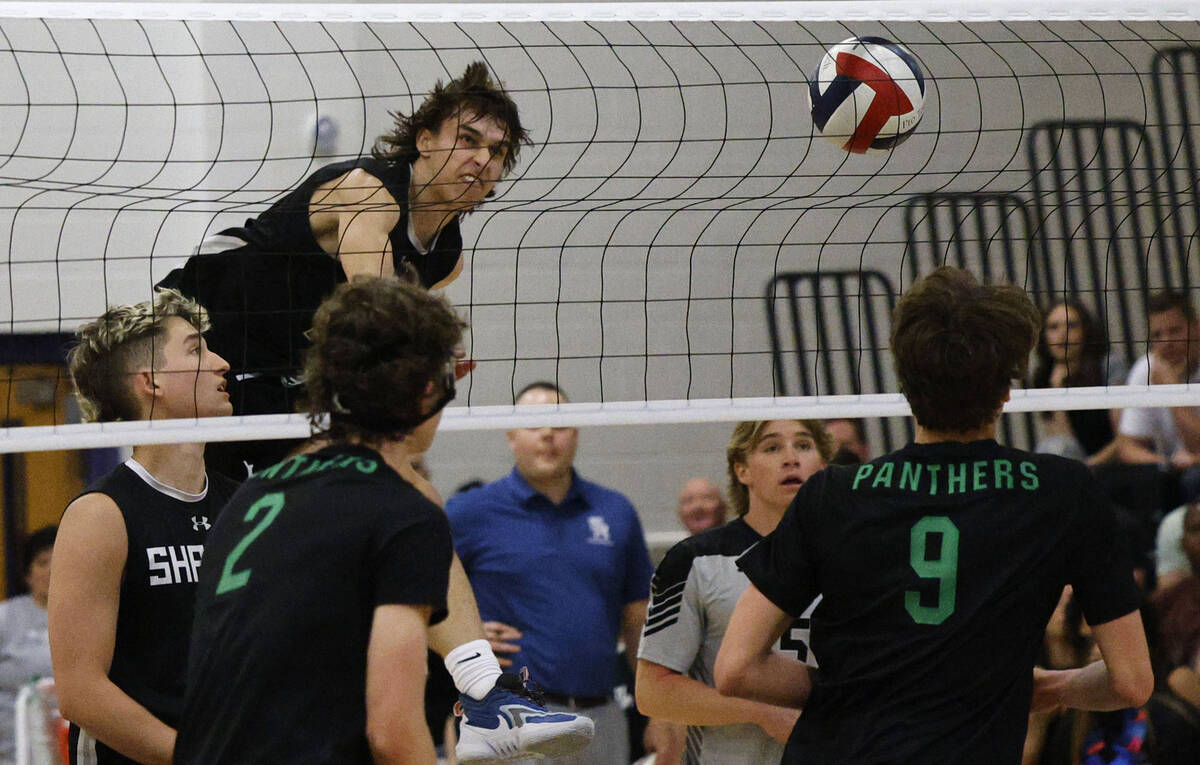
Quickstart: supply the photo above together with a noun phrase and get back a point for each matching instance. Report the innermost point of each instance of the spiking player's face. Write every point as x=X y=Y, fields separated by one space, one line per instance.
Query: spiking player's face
x=191 y=380
x=463 y=160
x=775 y=469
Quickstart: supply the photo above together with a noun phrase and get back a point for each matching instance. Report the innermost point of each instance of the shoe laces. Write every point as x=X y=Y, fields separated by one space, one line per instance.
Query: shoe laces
x=521 y=685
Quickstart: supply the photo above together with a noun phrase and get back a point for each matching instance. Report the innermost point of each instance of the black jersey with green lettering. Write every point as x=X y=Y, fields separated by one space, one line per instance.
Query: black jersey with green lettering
x=940 y=565
x=293 y=572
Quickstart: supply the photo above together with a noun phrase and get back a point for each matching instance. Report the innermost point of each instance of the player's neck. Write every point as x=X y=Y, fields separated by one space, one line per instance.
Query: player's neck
x=180 y=466
x=763 y=518
x=928 y=436
x=397 y=457
x=427 y=213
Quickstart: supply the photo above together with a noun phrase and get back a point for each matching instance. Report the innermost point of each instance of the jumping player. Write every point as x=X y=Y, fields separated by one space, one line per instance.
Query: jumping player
x=939 y=565
x=328 y=567
x=391 y=213
x=379 y=215
x=694 y=591
x=129 y=548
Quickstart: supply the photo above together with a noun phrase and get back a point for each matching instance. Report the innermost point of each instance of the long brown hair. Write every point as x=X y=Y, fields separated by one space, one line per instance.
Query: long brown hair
x=473 y=95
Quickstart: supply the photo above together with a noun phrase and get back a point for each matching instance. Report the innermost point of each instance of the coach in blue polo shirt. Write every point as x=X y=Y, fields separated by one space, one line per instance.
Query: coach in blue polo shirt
x=559 y=565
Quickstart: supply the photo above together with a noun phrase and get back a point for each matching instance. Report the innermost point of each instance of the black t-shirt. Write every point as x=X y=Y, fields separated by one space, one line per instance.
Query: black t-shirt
x=303 y=555
x=940 y=565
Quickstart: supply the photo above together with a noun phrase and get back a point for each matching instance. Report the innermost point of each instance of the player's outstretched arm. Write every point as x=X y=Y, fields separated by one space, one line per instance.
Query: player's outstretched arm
x=663 y=693
x=396 y=656
x=1123 y=678
x=85 y=593
x=746 y=665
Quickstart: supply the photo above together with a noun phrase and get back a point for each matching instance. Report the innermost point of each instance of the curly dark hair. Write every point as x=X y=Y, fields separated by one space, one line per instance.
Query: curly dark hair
x=958 y=345
x=474 y=94
x=377 y=343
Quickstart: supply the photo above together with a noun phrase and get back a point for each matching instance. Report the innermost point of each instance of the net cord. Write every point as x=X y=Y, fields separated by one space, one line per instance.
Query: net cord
x=814 y=10
x=474 y=418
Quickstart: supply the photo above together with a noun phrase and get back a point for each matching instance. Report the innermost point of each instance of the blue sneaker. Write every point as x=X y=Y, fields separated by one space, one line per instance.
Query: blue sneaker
x=510 y=723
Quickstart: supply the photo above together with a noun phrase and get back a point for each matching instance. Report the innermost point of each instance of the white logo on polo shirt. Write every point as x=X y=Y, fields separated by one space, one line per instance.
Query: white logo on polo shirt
x=600 y=532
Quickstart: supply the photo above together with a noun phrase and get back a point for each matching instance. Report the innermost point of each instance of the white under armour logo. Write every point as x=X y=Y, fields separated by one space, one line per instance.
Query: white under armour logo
x=200 y=523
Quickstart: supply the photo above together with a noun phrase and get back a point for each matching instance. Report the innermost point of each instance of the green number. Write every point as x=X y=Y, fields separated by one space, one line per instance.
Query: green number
x=230 y=579
x=944 y=568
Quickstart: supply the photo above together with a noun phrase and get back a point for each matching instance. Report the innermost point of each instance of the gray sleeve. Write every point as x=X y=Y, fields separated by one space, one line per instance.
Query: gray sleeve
x=675 y=625
x=1168 y=544
x=13 y=673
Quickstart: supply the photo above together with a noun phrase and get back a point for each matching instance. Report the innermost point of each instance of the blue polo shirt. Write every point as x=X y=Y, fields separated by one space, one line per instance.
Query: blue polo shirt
x=562 y=574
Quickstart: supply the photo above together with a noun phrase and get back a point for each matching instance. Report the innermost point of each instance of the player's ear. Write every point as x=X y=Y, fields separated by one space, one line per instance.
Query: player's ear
x=742 y=471
x=144 y=383
x=424 y=142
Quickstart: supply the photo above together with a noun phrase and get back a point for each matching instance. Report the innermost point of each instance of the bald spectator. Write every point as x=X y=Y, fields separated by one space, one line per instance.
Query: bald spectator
x=701 y=505
x=849 y=441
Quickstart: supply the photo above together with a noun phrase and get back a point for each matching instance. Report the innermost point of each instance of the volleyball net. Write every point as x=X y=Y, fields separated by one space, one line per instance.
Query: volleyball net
x=679 y=243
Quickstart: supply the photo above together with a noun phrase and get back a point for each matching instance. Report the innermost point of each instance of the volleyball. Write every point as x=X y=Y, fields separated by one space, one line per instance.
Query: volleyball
x=868 y=94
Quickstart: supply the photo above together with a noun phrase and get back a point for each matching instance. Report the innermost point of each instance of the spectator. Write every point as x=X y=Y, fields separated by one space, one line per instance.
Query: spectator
x=24 y=640
x=850 y=445
x=1170 y=561
x=701 y=505
x=560 y=567
x=1168 y=437
x=1072 y=352
x=1177 y=607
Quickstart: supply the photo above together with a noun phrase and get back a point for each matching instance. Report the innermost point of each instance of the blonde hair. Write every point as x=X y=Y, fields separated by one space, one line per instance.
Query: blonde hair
x=110 y=348
x=746 y=437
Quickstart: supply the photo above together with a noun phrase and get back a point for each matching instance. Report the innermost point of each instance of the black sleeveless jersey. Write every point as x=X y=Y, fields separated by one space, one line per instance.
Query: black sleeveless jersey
x=158 y=589
x=261 y=297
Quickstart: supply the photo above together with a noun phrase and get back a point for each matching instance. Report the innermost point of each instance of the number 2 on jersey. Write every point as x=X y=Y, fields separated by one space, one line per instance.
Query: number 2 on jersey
x=944 y=568
x=230 y=579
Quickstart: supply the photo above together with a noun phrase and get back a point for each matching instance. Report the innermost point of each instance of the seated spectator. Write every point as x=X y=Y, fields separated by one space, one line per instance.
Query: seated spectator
x=24 y=641
x=701 y=505
x=1071 y=736
x=1176 y=713
x=1168 y=437
x=1170 y=562
x=1178 y=606
x=1072 y=352
x=849 y=441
